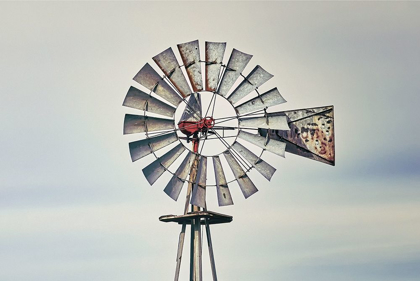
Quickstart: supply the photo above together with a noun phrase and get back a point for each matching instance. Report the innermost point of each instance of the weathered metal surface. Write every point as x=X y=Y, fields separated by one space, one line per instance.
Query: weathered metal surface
x=150 y=79
x=190 y=54
x=223 y=193
x=236 y=64
x=269 y=98
x=198 y=197
x=247 y=186
x=272 y=145
x=140 y=100
x=154 y=170
x=169 y=65
x=140 y=123
x=267 y=122
x=214 y=59
x=192 y=111
x=256 y=78
x=311 y=133
x=174 y=186
x=141 y=148
x=260 y=165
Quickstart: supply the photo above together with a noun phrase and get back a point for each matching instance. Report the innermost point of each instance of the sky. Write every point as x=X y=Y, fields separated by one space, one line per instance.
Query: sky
x=74 y=207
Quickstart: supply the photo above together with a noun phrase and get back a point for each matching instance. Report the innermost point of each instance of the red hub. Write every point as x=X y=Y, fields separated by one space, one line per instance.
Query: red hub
x=191 y=128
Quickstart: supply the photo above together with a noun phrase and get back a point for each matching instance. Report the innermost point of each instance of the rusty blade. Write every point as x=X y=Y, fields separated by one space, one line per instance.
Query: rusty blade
x=198 y=197
x=140 y=124
x=190 y=54
x=223 y=194
x=174 y=186
x=214 y=59
x=260 y=165
x=141 y=148
x=236 y=64
x=256 y=78
x=150 y=79
x=153 y=171
x=169 y=65
x=269 y=98
x=269 y=121
x=274 y=146
x=247 y=186
x=140 y=100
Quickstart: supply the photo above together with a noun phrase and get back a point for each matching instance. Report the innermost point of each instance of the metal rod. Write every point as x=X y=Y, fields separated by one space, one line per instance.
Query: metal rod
x=210 y=245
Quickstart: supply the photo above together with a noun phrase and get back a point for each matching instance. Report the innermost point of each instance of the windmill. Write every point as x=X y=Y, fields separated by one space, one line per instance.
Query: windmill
x=223 y=119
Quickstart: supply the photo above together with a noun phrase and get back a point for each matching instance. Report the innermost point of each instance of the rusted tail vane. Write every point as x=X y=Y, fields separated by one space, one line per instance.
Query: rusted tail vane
x=274 y=146
x=141 y=148
x=214 y=59
x=311 y=133
x=247 y=186
x=140 y=123
x=236 y=64
x=260 y=165
x=190 y=54
x=170 y=66
x=153 y=171
x=150 y=79
x=269 y=121
x=269 y=98
x=223 y=194
x=174 y=186
x=142 y=101
x=256 y=78
x=198 y=197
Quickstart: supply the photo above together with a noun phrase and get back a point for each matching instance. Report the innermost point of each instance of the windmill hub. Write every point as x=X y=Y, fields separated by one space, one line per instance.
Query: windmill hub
x=191 y=128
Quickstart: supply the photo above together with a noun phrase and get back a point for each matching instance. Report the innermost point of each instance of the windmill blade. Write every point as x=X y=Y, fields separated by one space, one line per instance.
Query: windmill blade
x=214 y=58
x=311 y=133
x=260 y=165
x=223 y=194
x=174 y=186
x=198 y=197
x=270 y=121
x=169 y=65
x=274 y=146
x=150 y=79
x=153 y=171
x=247 y=186
x=140 y=124
x=140 y=100
x=269 y=98
x=141 y=148
x=190 y=54
x=192 y=111
x=256 y=78
x=236 y=64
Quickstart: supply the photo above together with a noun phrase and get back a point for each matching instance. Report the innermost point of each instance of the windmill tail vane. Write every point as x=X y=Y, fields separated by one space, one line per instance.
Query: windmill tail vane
x=217 y=126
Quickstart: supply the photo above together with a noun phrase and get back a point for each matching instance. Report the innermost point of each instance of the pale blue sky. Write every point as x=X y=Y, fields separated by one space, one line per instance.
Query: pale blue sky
x=74 y=207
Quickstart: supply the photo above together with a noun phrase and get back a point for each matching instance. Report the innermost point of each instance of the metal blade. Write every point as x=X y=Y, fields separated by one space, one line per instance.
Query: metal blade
x=223 y=194
x=236 y=64
x=256 y=78
x=269 y=121
x=270 y=98
x=174 y=186
x=260 y=165
x=214 y=59
x=169 y=65
x=274 y=146
x=153 y=171
x=311 y=133
x=140 y=124
x=247 y=186
x=140 y=100
x=198 y=197
x=192 y=111
x=150 y=79
x=141 y=148
x=190 y=54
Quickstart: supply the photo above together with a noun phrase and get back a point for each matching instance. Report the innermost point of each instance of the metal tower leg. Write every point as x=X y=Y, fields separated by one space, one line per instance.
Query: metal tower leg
x=196 y=249
x=210 y=244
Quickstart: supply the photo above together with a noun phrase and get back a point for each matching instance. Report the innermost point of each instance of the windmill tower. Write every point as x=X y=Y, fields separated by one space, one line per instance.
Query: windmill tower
x=220 y=122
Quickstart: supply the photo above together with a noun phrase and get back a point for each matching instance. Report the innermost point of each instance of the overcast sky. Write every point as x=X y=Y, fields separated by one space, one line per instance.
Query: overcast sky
x=74 y=207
